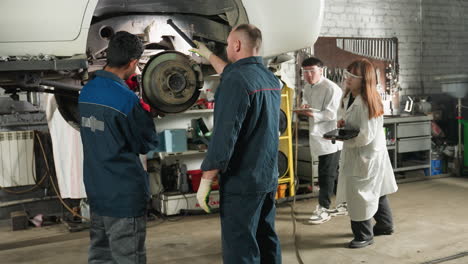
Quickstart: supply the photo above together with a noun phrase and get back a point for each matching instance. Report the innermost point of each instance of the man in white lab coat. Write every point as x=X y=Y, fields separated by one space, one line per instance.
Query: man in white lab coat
x=321 y=99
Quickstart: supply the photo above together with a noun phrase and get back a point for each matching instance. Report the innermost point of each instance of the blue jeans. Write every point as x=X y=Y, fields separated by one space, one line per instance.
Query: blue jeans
x=248 y=229
x=117 y=240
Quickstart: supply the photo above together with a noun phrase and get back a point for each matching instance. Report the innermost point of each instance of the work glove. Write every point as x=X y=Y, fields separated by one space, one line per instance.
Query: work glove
x=203 y=194
x=201 y=50
x=132 y=82
x=145 y=106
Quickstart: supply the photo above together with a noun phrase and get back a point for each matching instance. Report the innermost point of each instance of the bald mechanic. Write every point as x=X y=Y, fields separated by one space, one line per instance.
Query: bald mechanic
x=243 y=150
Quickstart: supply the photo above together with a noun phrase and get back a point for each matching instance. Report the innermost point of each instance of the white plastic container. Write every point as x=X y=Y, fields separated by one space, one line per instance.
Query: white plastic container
x=285 y=25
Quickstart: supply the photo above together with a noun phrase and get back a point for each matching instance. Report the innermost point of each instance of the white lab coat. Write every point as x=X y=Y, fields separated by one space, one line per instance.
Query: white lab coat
x=68 y=152
x=325 y=96
x=366 y=172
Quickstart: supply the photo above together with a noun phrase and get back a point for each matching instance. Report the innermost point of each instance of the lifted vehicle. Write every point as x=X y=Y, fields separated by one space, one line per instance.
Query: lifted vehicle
x=54 y=46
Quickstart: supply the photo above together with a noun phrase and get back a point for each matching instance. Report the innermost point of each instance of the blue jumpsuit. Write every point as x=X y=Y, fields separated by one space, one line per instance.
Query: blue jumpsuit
x=244 y=147
x=114 y=130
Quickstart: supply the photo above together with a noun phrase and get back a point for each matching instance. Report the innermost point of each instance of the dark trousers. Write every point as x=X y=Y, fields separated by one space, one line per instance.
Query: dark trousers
x=363 y=230
x=248 y=229
x=327 y=172
x=117 y=240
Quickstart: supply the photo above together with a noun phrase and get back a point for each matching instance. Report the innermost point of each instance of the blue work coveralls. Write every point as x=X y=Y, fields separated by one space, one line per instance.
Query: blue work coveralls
x=114 y=130
x=244 y=147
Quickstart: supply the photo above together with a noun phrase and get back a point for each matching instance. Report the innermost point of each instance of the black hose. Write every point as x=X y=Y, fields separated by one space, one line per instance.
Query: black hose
x=436 y=261
x=181 y=33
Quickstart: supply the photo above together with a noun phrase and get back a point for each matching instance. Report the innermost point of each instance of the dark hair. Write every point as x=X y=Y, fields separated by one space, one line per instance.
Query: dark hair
x=312 y=61
x=253 y=34
x=123 y=47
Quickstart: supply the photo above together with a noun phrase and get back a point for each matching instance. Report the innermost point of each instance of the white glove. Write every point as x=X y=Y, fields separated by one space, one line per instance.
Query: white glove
x=201 y=50
x=203 y=194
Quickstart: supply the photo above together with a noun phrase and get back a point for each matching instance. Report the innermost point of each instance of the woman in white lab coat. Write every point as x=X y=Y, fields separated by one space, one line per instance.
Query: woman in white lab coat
x=366 y=174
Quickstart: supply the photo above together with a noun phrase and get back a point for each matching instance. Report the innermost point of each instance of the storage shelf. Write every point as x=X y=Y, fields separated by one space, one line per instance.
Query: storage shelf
x=303 y=125
x=422 y=178
x=197 y=111
x=285 y=143
x=417 y=167
x=409 y=118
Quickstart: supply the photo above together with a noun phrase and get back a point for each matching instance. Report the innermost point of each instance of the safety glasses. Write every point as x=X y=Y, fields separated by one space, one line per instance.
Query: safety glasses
x=347 y=75
x=310 y=70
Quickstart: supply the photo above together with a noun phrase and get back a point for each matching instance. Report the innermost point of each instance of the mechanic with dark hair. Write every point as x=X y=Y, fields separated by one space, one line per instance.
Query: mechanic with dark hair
x=115 y=129
x=244 y=150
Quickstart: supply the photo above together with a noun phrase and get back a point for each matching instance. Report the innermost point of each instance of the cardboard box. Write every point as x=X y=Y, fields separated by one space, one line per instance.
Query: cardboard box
x=19 y=220
x=173 y=140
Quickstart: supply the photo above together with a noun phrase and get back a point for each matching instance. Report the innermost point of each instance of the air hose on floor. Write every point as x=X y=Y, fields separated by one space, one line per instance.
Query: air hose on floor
x=53 y=184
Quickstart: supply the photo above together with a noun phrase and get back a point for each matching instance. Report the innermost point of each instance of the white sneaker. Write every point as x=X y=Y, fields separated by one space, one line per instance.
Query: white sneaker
x=319 y=216
x=341 y=209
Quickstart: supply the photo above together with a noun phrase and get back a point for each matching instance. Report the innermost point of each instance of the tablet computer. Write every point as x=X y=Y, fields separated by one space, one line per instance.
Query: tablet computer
x=341 y=134
x=306 y=109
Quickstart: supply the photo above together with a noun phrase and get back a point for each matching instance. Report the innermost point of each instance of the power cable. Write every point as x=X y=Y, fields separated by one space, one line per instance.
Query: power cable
x=27 y=190
x=75 y=214
x=445 y=259
x=293 y=207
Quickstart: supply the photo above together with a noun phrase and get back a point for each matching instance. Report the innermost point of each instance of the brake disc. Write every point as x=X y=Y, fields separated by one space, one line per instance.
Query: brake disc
x=171 y=82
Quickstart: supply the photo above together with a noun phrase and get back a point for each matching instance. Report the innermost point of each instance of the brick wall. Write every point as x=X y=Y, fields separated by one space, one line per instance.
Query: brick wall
x=443 y=27
x=445 y=40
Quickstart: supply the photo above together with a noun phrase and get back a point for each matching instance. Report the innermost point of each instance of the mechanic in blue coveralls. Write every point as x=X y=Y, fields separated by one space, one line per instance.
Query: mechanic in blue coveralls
x=244 y=150
x=115 y=129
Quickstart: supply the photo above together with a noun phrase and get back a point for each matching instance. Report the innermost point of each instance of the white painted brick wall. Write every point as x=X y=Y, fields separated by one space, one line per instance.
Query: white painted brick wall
x=376 y=19
x=445 y=34
x=445 y=51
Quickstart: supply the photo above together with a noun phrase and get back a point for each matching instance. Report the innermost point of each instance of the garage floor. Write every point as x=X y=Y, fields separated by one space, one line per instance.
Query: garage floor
x=431 y=223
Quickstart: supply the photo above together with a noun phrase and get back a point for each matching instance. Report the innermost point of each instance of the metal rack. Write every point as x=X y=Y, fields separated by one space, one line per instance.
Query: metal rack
x=285 y=141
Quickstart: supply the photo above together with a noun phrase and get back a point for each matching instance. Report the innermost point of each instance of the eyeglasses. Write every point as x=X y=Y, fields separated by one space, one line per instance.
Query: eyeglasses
x=311 y=70
x=348 y=75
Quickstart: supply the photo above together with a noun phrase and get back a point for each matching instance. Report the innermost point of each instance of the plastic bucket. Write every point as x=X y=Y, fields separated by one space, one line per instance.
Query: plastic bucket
x=436 y=167
x=195 y=179
x=282 y=190
x=436 y=163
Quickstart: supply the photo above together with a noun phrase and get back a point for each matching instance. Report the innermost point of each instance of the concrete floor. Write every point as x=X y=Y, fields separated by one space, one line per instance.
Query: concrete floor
x=431 y=221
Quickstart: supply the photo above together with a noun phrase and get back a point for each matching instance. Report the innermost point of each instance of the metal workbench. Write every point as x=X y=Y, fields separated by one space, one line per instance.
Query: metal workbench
x=409 y=142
